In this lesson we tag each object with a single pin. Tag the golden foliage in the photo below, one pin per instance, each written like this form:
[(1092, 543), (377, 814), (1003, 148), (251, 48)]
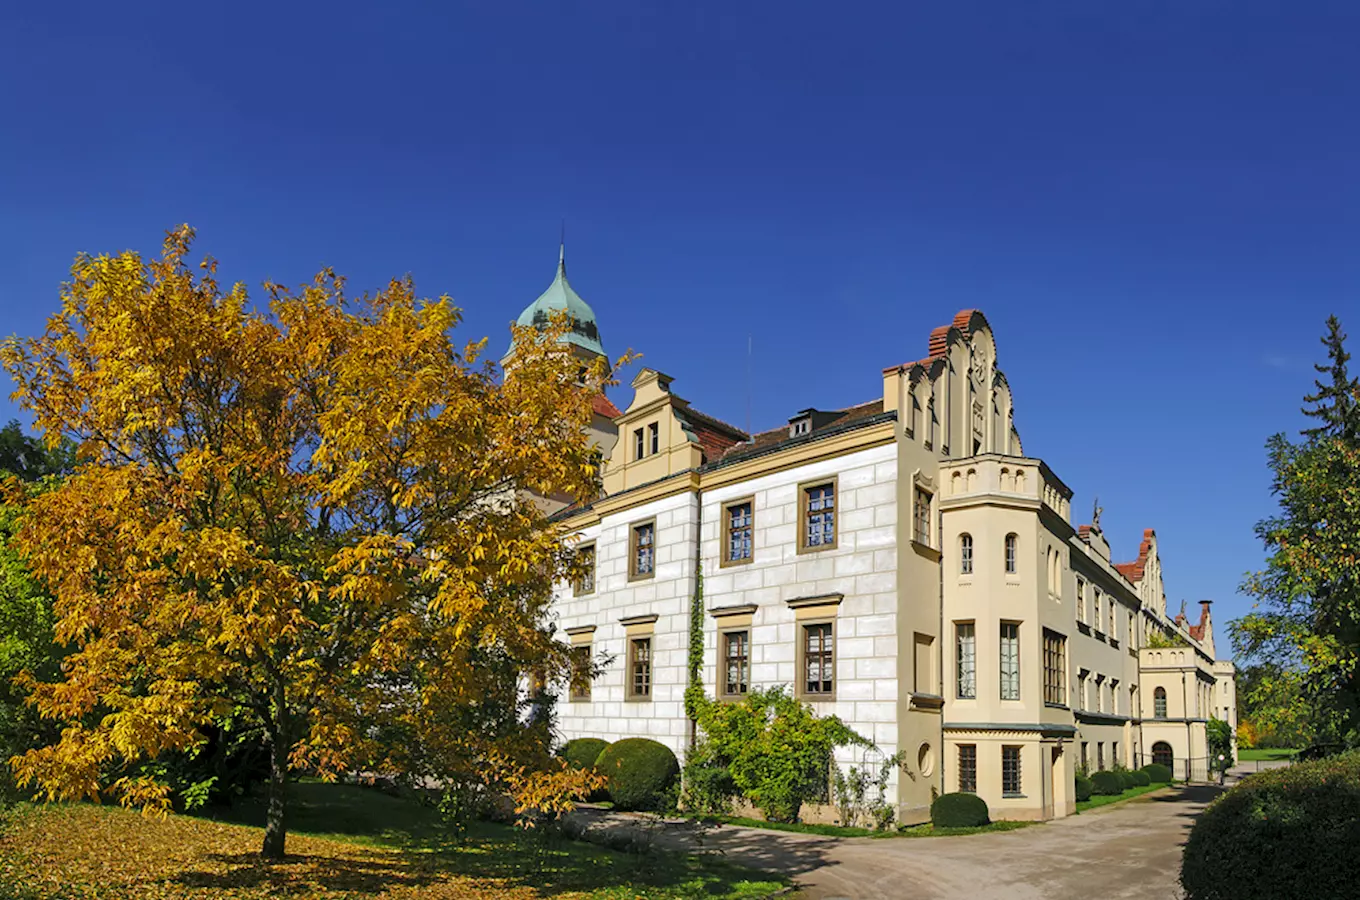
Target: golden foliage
[(317, 516)]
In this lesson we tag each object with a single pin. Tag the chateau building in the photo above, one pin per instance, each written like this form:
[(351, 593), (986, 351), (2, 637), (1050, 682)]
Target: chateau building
[(900, 563)]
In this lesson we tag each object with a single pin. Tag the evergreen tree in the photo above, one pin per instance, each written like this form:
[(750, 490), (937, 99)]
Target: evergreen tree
[(1336, 403)]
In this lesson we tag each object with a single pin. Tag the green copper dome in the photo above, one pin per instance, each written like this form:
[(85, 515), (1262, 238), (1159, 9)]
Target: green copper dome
[(559, 296)]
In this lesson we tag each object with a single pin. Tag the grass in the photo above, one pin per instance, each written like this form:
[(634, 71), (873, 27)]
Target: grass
[(924, 830), (1264, 753), (1098, 800), (345, 843)]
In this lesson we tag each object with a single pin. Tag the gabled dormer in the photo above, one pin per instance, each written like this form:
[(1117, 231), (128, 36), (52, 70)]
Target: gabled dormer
[(809, 420), (661, 435)]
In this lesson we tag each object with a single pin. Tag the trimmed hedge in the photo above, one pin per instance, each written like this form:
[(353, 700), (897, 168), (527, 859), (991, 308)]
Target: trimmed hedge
[(959, 810), (1084, 787), (1157, 773), (1141, 779), (1126, 778), (1279, 835), (639, 772), (581, 753), (1107, 783)]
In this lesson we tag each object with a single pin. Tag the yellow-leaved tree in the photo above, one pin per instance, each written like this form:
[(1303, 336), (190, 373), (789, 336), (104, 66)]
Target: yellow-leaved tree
[(318, 514)]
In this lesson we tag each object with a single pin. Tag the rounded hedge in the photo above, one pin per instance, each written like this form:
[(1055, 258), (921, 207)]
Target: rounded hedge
[(581, 753), (959, 810), (1084, 787), (1141, 779), (1157, 773), (1279, 835), (1126, 778), (639, 772), (1107, 783)]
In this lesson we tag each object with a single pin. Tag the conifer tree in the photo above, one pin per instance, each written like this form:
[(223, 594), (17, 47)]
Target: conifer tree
[(1336, 403)]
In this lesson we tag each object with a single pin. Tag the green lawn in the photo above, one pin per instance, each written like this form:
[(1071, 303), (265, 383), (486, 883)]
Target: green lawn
[(924, 830), (1265, 753), (1106, 799)]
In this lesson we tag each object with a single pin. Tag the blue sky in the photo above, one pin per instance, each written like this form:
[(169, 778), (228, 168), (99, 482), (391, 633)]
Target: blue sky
[(1155, 204)]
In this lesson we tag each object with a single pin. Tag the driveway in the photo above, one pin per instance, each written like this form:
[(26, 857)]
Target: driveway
[(1126, 850)]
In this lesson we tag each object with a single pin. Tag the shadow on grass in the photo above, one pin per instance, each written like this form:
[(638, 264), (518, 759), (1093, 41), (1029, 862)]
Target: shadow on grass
[(546, 861)]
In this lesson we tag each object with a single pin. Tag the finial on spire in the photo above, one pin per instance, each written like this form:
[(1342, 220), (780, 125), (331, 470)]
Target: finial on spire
[(562, 248)]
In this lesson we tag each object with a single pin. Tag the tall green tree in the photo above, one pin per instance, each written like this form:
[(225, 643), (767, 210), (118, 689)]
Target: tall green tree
[(1307, 614)]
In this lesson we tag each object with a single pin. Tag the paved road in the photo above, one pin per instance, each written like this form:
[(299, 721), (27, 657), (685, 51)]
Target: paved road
[(1128, 850)]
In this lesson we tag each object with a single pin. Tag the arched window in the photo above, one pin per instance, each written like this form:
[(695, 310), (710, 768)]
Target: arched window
[(1010, 554), (965, 554), (1159, 708), (1161, 752)]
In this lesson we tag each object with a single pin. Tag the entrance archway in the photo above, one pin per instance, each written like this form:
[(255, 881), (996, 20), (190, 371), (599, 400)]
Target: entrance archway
[(1162, 755)]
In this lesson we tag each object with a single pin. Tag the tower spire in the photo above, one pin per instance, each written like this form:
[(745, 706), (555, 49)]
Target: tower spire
[(562, 249)]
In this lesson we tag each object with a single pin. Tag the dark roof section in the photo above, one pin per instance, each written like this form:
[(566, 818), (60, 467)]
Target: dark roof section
[(779, 436)]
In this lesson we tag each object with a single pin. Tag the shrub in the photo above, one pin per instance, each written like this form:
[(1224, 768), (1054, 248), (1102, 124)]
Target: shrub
[(1084, 788), (1140, 778), (777, 750), (1157, 773), (707, 785), (581, 753), (1280, 834), (640, 771), (959, 811), (1126, 778), (1107, 783)]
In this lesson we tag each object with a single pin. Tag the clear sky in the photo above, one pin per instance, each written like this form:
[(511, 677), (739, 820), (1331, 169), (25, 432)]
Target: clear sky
[(1155, 204)]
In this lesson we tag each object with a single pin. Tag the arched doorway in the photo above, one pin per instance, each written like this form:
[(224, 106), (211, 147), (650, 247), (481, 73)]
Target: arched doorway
[(1162, 755)]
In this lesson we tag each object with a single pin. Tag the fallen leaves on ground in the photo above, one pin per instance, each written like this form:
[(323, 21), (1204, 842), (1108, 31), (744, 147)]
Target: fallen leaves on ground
[(84, 852)]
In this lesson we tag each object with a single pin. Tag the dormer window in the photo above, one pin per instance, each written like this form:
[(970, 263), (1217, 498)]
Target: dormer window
[(800, 426), (639, 447), (654, 437)]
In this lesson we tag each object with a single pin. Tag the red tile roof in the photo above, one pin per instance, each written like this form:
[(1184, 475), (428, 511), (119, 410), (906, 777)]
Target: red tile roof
[(715, 436), (939, 339), (1133, 571), (602, 405)]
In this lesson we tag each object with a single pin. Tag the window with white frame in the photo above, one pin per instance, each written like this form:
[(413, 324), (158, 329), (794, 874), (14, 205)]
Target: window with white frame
[(1011, 561), (1010, 770), (1010, 661), (965, 641), (1081, 599), (965, 554)]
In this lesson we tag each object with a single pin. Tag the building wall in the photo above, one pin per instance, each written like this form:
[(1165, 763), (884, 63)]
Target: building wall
[(609, 714), (861, 568)]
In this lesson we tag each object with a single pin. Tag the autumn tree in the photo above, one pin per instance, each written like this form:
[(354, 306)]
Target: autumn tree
[(318, 513), (1306, 622)]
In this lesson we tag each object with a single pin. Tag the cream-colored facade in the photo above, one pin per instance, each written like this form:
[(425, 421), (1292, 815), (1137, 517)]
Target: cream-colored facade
[(901, 564)]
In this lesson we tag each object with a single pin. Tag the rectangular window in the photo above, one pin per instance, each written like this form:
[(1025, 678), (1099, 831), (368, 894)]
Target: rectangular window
[(966, 653), (639, 448), (968, 768), (1132, 635), (1100, 756), (819, 516), (736, 663), (1114, 753), (1010, 554), (921, 531), (1081, 692), (1055, 668), (1085, 756), (580, 673), (1010, 661), (738, 531), (1095, 619), (1113, 621), (1114, 696), (1081, 600), (640, 668), (586, 583), (642, 554), (966, 554), (1010, 770), (654, 437), (818, 660)]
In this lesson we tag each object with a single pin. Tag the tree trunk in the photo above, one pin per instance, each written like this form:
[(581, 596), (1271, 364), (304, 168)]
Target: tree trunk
[(276, 829)]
